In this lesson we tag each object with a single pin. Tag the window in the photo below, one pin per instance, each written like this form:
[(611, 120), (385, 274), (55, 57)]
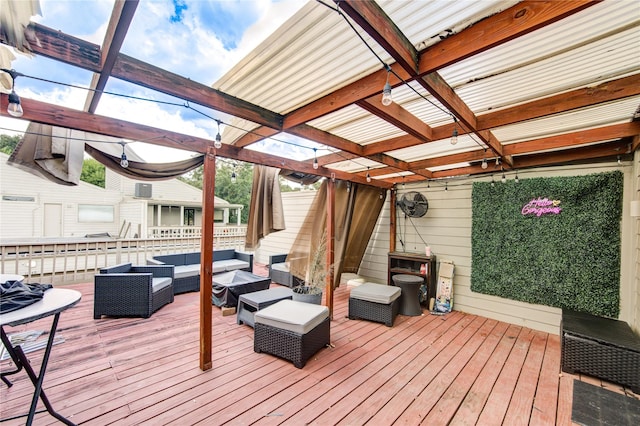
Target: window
[(95, 213), (189, 217)]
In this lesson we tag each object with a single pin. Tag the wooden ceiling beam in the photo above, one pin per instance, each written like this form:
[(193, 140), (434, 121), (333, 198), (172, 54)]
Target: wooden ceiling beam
[(579, 98), (518, 20), (73, 51), (42, 112), (564, 156), (399, 117), (575, 99), (573, 139), (375, 22), (121, 17)]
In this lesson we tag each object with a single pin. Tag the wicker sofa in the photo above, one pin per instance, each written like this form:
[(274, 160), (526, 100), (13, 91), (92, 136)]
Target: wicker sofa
[(126, 290), (187, 266)]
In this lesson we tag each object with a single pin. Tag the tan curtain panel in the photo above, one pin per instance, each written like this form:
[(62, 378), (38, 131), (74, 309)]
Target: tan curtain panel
[(266, 214), (356, 214), (57, 153)]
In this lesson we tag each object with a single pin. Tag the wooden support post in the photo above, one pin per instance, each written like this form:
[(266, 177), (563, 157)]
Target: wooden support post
[(331, 238), (392, 220), (206, 259)]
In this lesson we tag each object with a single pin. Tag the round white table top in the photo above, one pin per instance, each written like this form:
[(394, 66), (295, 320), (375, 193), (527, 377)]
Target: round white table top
[(10, 277), (55, 300)]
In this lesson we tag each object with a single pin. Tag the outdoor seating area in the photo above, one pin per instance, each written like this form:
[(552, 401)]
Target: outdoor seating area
[(457, 367)]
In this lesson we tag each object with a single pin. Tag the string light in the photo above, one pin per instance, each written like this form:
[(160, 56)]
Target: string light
[(348, 187), (233, 174), (484, 161), (516, 178), (124, 163), (504, 178), (368, 175), (454, 136), (315, 159), (14, 108), (497, 161), (387, 98), (446, 186), (218, 143)]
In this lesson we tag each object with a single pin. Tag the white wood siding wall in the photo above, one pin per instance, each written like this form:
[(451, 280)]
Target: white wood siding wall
[(19, 219), (295, 205), (447, 229)]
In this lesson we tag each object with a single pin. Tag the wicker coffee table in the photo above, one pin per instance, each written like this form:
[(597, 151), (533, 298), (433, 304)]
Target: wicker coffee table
[(601, 347), (250, 303)]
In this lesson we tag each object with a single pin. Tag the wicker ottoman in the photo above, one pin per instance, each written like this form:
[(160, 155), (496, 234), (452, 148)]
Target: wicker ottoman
[(291, 330), (601, 347), (375, 302)]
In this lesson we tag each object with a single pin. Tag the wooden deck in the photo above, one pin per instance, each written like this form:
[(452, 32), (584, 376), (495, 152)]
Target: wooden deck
[(455, 369)]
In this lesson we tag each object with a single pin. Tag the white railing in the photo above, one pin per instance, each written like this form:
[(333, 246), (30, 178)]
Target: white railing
[(194, 231), (68, 261)]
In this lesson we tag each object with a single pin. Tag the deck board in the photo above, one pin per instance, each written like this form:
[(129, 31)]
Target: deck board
[(456, 369)]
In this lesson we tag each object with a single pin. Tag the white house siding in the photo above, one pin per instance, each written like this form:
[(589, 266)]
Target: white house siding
[(447, 229), (295, 205), (25, 219), (133, 218)]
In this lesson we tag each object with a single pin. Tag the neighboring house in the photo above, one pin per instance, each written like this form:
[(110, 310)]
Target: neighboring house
[(33, 207)]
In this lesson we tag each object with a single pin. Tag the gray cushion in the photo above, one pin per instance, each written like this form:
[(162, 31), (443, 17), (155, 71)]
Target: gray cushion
[(230, 264), (160, 283), (185, 271), (282, 267), (291, 315), (377, 293)]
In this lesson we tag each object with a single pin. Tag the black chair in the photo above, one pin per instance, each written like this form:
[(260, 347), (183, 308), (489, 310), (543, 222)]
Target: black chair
[(132, 291)]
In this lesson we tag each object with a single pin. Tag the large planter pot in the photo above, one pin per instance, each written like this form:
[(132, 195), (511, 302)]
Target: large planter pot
[(307, 294)]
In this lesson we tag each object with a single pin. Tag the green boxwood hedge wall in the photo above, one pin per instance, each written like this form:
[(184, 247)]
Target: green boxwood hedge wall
[(570, 259)]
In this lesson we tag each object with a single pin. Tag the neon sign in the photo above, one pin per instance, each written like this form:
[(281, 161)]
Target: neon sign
[(541, 206)]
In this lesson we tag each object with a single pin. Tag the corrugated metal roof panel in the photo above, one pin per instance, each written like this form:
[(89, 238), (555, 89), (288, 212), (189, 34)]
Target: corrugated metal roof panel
[(597, 116)]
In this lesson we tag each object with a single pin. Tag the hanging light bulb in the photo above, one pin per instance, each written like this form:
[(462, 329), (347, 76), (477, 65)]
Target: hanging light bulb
[(124, 163), (497, 161), (348, 187), (504, 178), (428, 184), (368, 175), (454, 136), (14, 108), (387, 98), (233, 174), (381, 195), (315, 159), (493, 182), (619, 159), (484, 164), (218, 143), (516, 180), (446, 186)]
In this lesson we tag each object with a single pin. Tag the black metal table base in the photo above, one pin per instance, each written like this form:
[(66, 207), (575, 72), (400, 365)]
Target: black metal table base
[(21, 362)]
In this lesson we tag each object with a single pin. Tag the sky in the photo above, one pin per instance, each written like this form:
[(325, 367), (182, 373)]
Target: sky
[(197, 39)]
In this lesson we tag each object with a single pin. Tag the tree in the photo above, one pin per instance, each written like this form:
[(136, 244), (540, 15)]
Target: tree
[(8, 143), (93, 172), (238, 192)]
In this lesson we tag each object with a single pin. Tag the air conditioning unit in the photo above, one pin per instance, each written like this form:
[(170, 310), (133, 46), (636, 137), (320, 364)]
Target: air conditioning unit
[(143, 190)]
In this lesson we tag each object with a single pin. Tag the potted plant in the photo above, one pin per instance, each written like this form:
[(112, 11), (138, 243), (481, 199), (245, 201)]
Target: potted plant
[(310, 290)]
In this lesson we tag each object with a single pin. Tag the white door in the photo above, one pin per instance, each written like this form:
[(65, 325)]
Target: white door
[(53, 220)]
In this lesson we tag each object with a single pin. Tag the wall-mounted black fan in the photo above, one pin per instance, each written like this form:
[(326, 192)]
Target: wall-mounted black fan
[(414, 204)]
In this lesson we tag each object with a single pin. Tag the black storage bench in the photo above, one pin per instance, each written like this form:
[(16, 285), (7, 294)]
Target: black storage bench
[(601, 347)]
